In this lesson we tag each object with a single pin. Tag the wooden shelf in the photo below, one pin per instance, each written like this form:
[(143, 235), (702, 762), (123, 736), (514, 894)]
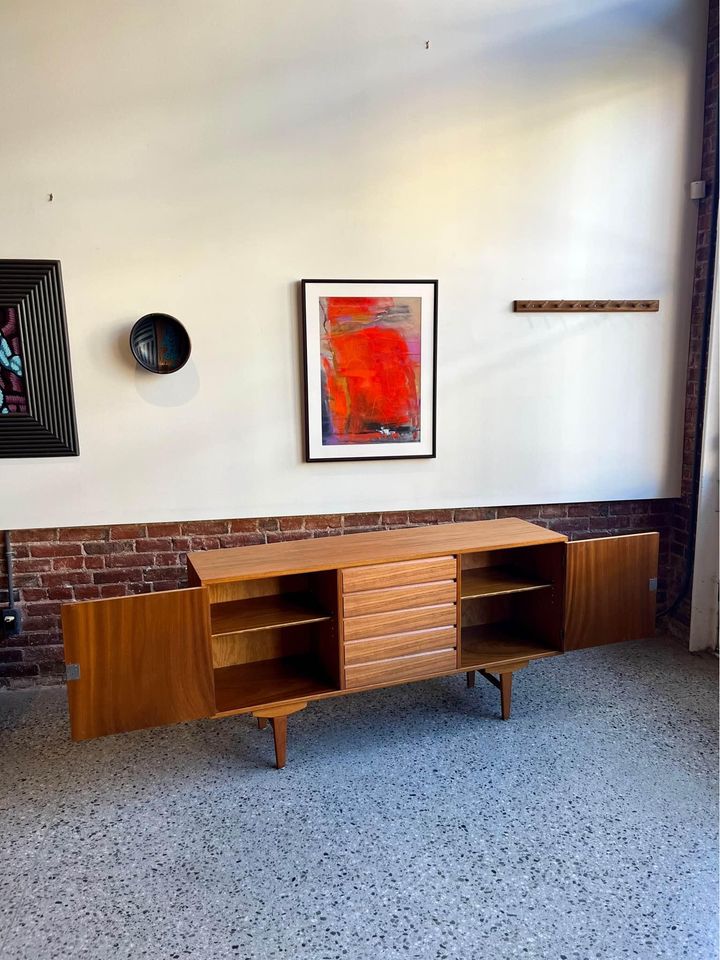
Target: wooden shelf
[(495, 644), (494, 581), (249, 685), (261, 613)]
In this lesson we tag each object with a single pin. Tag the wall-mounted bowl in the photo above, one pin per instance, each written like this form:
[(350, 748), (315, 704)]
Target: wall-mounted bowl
[(160, 343)]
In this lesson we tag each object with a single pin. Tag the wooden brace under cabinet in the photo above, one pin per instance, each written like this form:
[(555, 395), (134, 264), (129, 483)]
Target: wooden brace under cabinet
[(264, 630)]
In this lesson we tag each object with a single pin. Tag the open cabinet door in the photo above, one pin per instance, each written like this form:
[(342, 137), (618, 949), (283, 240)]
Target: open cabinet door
[(136, 662), (610, 592)]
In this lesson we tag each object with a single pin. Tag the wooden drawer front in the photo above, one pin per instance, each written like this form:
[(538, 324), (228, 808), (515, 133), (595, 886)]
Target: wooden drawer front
[(399, 598), (400, 668), (399, 621), (400, 645), (398, 574)]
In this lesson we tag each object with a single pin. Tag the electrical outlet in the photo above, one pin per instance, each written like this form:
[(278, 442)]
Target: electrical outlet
[(10, 618)]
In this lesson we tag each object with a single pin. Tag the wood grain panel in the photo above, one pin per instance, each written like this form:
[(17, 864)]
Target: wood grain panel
[(399, 621), (244, 589), (399, 598), (144, 661), (358, 549), (500, 644), (259, 613), (262, 645), (400, 644), (409, 572), (400, 668), (608, 594)]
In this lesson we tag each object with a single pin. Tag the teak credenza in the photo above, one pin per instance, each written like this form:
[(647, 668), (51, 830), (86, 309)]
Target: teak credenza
[(266, 629)]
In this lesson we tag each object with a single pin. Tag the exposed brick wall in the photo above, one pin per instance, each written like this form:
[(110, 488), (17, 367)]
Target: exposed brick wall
[(681, 541), (54, 566)]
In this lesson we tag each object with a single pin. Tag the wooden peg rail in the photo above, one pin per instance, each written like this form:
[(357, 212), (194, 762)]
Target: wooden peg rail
[(586, 306)]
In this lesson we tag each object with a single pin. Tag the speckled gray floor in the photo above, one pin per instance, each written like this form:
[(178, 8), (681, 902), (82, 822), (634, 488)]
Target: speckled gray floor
[(409, 823)]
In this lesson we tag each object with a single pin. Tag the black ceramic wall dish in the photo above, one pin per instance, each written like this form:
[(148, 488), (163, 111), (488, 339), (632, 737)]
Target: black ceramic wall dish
[(160, 343)]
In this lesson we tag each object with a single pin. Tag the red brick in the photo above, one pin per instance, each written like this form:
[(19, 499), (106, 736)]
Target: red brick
[(129, 531), (428, 516), (94, 563), (352, 520), (126, 560), (41, 535), (204, 543), (323, 521), (55, 550), (68, 563), (463, 514), (172, 559), (281, 536), (103, 549), (115, 576), (291, 523), (87, 592), (110, 590), (44, 654), (160, 585), (241, 539), (156, 545), (523, 513), (395, 518), (32, 594), (202, 527), (69, 577), (164, 529), (82, 534), (164, 573), (554, 510), (32, 565), (244, 526), (588, 510)]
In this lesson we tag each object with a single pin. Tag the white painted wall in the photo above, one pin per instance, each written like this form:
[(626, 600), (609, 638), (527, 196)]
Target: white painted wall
[(206, 156)]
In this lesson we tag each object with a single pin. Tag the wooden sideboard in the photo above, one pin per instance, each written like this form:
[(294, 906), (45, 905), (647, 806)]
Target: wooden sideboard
[(267, 629)]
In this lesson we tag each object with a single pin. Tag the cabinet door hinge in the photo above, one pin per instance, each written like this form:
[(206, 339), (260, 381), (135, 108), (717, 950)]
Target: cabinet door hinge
[(652, 585), (72, 671)]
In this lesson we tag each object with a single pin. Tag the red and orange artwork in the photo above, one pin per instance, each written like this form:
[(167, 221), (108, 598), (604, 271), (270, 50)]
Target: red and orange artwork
[(370, 369)]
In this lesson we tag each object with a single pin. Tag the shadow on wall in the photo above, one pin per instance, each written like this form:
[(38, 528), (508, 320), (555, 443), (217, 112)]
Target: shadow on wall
[(160, 390)]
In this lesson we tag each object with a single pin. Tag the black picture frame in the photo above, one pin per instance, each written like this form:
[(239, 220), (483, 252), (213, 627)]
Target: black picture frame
[(433, 284), (49, 429)]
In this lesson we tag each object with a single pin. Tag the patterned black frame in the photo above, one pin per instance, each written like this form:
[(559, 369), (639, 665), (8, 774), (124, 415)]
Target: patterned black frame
[(34, 289)]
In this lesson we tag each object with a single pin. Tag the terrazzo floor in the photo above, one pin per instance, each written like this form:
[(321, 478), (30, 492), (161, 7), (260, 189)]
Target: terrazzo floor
[(409, 822)]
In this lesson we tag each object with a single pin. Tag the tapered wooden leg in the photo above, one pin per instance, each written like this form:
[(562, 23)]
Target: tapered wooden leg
[(277, 715), (471, 678), (506, 694), (504, 684), (262, 723), (279, 725)]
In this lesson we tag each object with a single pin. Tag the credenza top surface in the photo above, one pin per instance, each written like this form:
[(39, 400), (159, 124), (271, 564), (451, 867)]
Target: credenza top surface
[(358, 549)]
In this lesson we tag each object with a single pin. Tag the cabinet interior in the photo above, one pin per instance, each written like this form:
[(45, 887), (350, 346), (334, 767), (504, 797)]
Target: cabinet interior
[(274, 639), (511, 604)]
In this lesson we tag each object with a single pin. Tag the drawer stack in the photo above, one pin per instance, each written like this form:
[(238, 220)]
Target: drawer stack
[(399, 620)]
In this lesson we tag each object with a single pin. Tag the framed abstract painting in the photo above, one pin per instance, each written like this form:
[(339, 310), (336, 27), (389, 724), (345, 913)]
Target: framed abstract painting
[(370, 368), (37, 410)]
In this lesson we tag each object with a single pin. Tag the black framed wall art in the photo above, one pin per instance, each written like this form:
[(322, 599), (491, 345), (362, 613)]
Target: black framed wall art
[(37, 410), (370, 368)]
